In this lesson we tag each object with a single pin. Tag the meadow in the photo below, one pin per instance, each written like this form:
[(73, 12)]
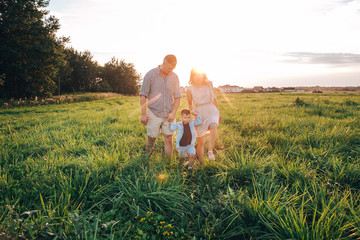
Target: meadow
[(287, 167)]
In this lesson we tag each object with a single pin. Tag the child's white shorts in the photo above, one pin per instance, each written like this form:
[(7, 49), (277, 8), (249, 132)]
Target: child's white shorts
[(184, 151)]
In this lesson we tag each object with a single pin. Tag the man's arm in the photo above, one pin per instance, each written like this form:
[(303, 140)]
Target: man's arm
[(144, 119), (172, 115)]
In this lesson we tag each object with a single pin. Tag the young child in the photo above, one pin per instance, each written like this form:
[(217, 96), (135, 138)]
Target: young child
[(185, 139)]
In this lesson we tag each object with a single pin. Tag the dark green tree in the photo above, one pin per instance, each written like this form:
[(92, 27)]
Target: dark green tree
[(82, 73), (121, 76), (30, 52)]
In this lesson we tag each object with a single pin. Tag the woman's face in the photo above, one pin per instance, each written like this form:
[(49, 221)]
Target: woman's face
[(197, 78)]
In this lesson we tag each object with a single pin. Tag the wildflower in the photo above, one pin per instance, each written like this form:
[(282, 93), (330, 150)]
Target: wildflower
[(161, 177), (217, 219), (142, 219)]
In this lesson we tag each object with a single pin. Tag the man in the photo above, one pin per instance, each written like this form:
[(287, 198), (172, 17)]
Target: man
[(160, 92)]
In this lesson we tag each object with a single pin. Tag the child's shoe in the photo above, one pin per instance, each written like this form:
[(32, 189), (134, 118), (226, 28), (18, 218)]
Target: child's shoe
[(211, 155)]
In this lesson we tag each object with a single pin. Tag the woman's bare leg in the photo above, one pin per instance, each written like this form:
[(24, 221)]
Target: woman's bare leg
[(200, 149), (213, 136)]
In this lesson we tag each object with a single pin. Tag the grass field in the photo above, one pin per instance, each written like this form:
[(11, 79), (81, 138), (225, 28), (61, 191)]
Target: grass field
[(287, 167)]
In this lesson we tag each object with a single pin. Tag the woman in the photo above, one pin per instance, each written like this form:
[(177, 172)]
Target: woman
[(200, 94)]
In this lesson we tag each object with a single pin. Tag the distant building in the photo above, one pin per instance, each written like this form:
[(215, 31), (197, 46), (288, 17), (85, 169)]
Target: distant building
[(288, 89), (272, 89), (230, 89), (258, 89)]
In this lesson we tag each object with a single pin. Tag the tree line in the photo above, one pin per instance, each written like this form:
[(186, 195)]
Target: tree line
[(35, 62)]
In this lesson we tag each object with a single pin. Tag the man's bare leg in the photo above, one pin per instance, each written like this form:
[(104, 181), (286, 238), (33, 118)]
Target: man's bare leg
[(168, 144), (150, 145)]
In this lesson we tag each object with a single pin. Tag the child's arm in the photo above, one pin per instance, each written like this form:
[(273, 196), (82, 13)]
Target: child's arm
[(173, 126), (198, 120)]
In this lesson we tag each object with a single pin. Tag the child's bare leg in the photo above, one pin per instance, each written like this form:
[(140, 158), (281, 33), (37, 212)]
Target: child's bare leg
[(192, 160), (181, 160)]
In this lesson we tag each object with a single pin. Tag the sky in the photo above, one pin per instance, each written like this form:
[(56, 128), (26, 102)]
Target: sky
[(269, 43)]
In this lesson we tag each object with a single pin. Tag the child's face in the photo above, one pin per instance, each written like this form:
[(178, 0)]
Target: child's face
[(186, 118)]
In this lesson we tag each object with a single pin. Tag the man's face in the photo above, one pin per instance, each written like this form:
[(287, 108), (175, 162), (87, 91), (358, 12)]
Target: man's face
[(167, 68), (186, 118)]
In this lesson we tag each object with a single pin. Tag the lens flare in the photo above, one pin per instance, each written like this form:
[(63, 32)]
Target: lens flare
[(161, 177)]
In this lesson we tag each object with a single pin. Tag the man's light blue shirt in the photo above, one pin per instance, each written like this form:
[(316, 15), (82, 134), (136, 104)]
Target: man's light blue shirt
[(160, 92)]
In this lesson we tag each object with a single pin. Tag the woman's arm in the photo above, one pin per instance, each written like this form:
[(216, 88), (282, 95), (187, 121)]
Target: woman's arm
[(215, 103), (189, 98)]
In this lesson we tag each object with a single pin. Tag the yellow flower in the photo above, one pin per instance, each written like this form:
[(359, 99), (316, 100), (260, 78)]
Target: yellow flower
[(161, 177)]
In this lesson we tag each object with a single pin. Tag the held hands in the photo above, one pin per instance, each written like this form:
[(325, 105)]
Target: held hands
[(194, 112), (171, 117)]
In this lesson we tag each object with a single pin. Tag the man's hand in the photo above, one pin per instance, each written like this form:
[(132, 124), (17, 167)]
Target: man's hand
[(171, 117), (144, 119)]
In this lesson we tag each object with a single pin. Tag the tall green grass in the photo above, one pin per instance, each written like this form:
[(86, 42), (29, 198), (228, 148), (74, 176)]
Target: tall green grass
[(287, 167)]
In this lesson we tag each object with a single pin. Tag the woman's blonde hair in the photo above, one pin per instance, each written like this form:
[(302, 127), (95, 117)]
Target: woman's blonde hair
[(204, 79)]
